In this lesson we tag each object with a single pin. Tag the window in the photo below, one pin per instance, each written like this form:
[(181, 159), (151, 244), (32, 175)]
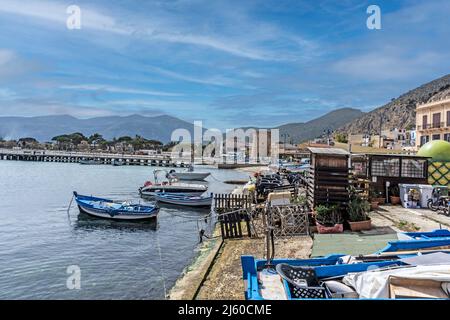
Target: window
[(424, 122), (448, 118), (424, 139), (386, 167), (436, 120), (436, 137), (447, 137), (413, 168)]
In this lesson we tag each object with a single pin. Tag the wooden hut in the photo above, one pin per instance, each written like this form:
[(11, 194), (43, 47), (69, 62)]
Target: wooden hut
[(328, 180)]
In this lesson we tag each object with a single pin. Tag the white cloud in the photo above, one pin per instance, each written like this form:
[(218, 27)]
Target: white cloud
[(215, 80), (55, 12), (6, 56), (114, 89), (168, 28)]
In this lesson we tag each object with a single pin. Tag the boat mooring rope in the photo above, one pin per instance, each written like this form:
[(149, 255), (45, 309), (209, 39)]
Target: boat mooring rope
[(68, 210), (161, 266)]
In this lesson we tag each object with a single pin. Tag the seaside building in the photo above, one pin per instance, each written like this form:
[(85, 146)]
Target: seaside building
[(392, 139), (433, 121)]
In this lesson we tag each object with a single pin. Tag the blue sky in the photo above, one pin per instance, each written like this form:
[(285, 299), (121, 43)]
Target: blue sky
[(228, 63)]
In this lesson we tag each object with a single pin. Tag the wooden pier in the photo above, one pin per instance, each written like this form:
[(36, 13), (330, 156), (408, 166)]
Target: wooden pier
[(159, 160)]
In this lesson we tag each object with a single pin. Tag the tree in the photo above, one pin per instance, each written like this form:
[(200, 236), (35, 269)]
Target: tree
[(96, 138), (341, 137)]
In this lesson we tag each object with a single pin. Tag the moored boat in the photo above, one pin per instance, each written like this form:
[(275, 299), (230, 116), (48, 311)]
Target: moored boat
[(150, 189), (89, 162), (117, 163), (184, 200), (109, 209), (189, 176)]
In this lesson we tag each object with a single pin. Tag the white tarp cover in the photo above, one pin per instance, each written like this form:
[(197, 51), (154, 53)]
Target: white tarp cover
[(375, 284)]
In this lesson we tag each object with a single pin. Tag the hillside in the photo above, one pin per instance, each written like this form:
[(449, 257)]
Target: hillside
[(400, 113), (45, 127), (300, 132)]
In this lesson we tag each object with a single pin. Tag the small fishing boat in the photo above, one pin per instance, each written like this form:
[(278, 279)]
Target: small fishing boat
[(339, 276), (184, 200), (109, 209), (117, 163), (89, 162), (150, 189), (188, 175)]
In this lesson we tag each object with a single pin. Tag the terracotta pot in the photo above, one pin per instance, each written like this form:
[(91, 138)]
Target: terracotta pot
[(312, 229), (373, 205), (380, 200), (360, 225), (337, 228), (395, 200)]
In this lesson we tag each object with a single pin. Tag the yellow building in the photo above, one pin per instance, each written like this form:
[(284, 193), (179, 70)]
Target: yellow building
[(433, 121)]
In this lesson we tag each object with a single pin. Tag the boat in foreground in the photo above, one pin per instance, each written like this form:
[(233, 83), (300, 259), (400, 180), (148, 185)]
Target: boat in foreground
[(184, 200), (106, 208), (404, 269)]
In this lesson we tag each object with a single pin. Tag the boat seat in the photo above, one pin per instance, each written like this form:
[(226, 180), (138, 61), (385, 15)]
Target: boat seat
[(303, 282)]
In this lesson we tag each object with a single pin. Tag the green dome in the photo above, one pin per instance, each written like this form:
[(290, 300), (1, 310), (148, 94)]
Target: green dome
[(439, 150)]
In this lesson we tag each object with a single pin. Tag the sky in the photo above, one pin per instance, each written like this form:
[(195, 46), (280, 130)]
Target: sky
[(227, 63)]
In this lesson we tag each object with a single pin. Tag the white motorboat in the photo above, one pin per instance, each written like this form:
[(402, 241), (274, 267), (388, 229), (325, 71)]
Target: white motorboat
[(188, 175), (150, 189)]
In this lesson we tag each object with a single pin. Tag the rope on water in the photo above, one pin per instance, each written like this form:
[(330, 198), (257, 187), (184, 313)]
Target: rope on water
[(68, 210), (161, 266)]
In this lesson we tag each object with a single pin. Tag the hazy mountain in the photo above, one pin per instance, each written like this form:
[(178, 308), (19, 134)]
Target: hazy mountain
[(46, 127), (159, 128), (303, 131), (400, 112)]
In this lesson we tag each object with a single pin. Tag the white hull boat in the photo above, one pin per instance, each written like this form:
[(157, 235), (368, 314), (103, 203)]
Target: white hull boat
[(150, 190), (184, 200), (190, 176)]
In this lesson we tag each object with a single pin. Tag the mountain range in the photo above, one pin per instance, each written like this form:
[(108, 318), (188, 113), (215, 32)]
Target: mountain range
[(44, 128), (398, 113)]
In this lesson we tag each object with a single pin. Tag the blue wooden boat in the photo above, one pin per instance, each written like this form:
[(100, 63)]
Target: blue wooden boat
[(108, 209), (435, 234), (184, 200), (265, 280)]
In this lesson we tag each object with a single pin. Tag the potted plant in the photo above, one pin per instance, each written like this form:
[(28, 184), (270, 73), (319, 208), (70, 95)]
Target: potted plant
[(328, 219), (395, 195), (373, 200), (357, 211)]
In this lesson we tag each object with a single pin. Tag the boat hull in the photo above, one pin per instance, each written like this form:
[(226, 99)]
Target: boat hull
[(191, 176), (108, 209), (121, 217), (184, 201), (185, 189)]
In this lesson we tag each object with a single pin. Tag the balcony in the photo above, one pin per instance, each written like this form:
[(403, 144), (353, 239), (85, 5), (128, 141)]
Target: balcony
[(436, 125)]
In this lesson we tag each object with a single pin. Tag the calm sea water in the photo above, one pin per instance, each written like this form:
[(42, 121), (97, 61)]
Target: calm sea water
[(118, 260)]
